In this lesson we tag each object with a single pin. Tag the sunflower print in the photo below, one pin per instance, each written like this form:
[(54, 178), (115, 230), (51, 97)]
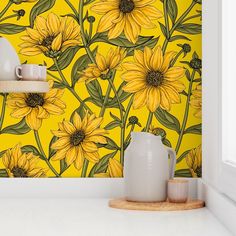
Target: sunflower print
[(196, 101), (22, 165), (194, 161), (77, 140), (50, 36), (114, 67), (103, 65), (152, 80), (127, 16), (115, 169), (36, 107)]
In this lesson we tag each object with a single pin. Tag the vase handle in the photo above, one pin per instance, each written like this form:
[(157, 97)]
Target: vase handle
[(172, 154)]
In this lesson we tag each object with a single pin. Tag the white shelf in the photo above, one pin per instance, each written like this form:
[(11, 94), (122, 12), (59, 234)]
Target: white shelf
[(24, 87)]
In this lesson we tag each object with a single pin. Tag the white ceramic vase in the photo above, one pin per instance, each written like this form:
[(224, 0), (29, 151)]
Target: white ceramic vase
[(147, 168), (8, 61)]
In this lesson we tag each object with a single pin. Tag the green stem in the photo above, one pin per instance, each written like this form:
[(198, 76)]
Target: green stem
[(36, 135), (90, 30), (185, 119), (53, 76), (5, 9), (72, 8), (64, 81), (129, 135), (179, 21), (166, 19), (102, 111), (3, 110), (60, 72), (122, 123), (79, 99), (128, 109), (85, 168), (176, 57), (149, 121), (8, 17), (81, 7)]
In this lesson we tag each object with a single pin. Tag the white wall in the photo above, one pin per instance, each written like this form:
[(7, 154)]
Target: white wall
[(211, 90)]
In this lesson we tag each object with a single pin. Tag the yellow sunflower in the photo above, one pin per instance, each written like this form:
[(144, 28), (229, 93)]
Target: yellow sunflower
[(35, 107), (103, 65), (115, 170), (196, 101), (127, 16), (50, 36), (78, 139), (22, 165), (194, 161), (152, 80)]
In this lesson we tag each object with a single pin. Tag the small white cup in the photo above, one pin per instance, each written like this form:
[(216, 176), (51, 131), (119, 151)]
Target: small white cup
[(31, 72), (178, 190)]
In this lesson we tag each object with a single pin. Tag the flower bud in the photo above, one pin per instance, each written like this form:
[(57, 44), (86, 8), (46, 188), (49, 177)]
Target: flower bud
[(196, 63)]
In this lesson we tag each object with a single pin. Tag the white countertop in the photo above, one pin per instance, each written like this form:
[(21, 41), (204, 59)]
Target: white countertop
[(92, 217)]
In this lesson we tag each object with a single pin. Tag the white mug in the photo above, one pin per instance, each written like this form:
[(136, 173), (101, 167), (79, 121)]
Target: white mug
[(31, 72)]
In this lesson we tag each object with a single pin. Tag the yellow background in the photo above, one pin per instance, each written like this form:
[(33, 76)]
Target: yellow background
[(189, 141)]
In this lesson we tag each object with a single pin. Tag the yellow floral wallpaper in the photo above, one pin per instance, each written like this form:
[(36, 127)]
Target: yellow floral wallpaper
[(114, 66)]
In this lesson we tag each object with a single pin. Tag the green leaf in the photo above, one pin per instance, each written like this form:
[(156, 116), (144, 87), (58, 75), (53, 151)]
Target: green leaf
[(122, 41), (3, 173), (168, 120), (111, 145), (63, 166), (195, 129), (58, 85), (80, 110), (163, 29), (172, 10), (115, 117), (65, 58), (189, 28), (95, 91), (183, 173), (179, 37), (122, 96), (17, 129), (101, 166), (40, 7), (182, 156), (166, 142), (112, 125), (2, 153), (33, 149), (80, 65), (51, 151), (8, 28)]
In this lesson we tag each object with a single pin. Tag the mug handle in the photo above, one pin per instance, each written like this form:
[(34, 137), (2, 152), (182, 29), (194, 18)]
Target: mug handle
[(19, 72), (172, 154)]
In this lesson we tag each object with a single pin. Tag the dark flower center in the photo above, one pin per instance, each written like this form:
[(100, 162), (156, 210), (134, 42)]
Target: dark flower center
[(77, 138), (133, 120), (154, 78), (126, 6), (19, 172), (196, 63), (34, 100), (47, 42)]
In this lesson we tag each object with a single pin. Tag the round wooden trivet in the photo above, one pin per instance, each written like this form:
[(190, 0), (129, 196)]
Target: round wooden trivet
[(156, 206)]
